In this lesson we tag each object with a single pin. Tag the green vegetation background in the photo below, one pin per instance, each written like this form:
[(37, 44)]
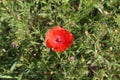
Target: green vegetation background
[(95, 25)]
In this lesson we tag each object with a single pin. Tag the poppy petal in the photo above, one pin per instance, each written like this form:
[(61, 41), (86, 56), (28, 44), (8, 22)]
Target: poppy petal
[(58, 38)]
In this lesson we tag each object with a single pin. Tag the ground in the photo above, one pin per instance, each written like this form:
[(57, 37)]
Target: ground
[(93, 55)]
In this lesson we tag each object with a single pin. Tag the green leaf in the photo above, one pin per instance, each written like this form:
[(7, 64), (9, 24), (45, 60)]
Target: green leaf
[(7, 77), (13, 66), (65, 1), (20, 76)]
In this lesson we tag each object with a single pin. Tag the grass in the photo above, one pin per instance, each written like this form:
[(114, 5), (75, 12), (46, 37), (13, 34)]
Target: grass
[(95, 25)]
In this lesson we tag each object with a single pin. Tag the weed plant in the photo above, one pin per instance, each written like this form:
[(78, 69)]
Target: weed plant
[(94, 54)]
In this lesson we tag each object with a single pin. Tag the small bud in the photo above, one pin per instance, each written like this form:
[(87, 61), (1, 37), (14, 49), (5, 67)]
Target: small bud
[(102, 45), (13, 44), (73, 23), (18, 17), (51, 72), (31, 49), (116, 31), (102, 0), (3, 50), (34, 54), (82, 60), (105, 12), (72, 58), (104, 23), (86, 33), (8, 9), (0, 1), (110, 49)]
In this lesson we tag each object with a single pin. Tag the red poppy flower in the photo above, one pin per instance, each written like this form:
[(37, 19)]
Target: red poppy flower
[(58, 38)]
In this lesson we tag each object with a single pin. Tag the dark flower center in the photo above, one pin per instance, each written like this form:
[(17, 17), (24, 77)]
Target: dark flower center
[(58, 39)]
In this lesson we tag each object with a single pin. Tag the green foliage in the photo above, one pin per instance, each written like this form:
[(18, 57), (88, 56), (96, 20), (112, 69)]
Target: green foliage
[(94, 23)]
